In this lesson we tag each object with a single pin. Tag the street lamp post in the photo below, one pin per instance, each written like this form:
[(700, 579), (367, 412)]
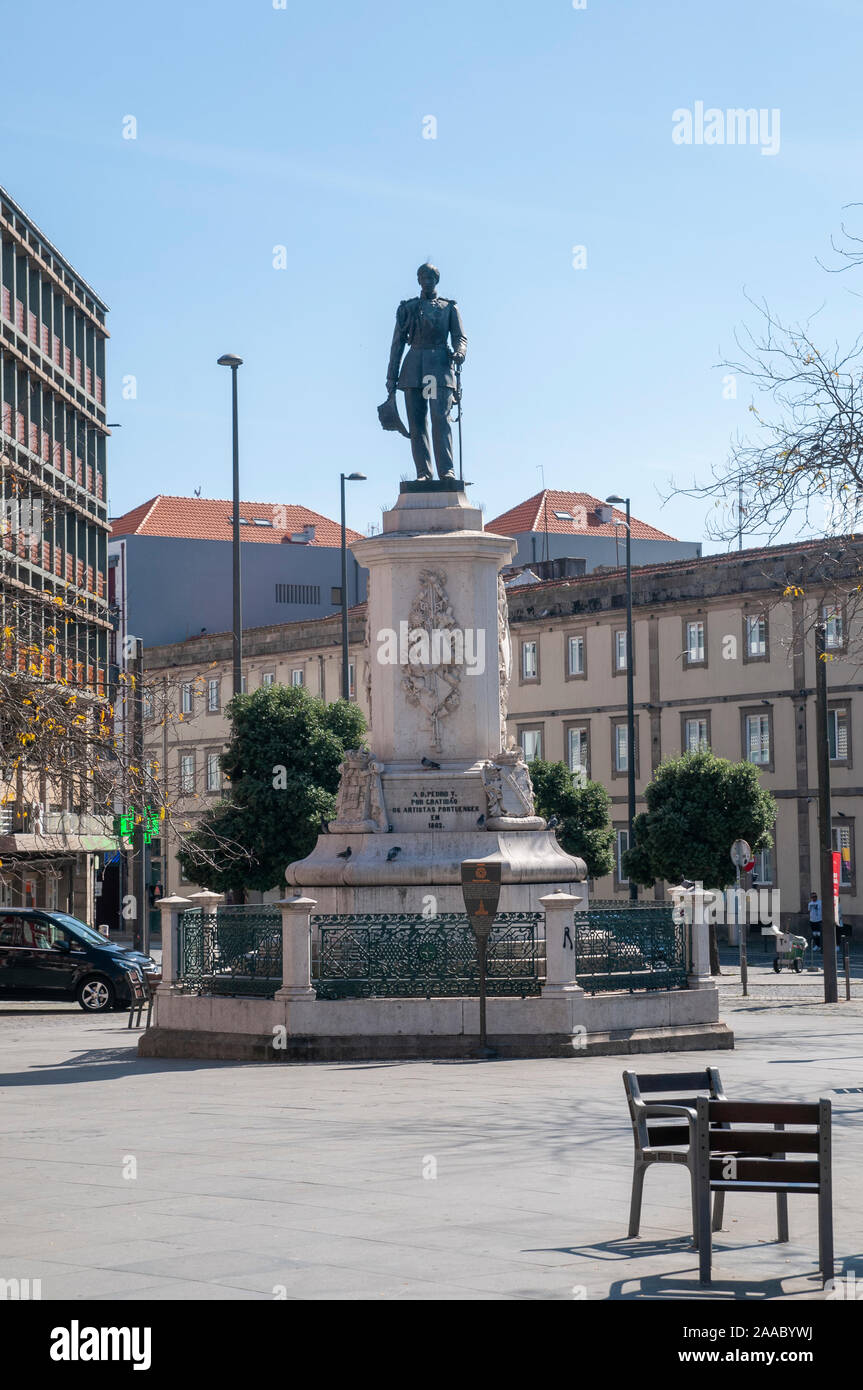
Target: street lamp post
[(351, 478), (230, 359), (630, 692)]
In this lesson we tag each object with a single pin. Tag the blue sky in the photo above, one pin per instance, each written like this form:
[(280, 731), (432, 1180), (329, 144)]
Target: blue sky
[(303, 127)]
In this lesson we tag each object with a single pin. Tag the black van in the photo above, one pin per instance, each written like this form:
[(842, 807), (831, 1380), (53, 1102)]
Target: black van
[(50, 955)]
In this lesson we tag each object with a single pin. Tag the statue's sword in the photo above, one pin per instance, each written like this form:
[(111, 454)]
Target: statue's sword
[(458, 417)]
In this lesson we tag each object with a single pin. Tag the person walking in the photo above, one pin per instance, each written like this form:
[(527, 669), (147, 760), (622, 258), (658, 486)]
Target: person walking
[(815, 920)]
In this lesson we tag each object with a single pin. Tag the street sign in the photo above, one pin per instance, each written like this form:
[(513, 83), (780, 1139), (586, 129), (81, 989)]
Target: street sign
[(741, 854), (480, 886)]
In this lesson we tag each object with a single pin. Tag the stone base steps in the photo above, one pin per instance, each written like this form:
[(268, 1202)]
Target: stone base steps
[(256, 1047)]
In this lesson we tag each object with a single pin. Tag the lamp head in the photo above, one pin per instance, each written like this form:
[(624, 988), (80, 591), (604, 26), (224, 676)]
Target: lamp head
[(230, 359)]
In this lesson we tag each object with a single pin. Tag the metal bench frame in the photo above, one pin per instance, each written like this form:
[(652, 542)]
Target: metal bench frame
[(755, 1167), (668, 1143)]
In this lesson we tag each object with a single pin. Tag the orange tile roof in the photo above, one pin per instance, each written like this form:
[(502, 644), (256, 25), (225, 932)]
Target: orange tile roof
[(537, 513), (209, 519)]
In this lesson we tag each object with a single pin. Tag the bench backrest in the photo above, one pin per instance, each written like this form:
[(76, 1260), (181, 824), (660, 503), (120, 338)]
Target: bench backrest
[(732, 1152), (644, 1089)]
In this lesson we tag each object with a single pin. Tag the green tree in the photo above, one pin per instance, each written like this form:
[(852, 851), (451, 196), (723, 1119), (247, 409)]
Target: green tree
[(584, 811), (697, 806), (282, 761)]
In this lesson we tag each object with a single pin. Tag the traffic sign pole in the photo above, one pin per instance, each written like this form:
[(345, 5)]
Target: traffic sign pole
[(741, 855)]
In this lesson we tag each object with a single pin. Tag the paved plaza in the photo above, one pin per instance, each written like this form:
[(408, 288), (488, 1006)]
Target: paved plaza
[(421, 1180)]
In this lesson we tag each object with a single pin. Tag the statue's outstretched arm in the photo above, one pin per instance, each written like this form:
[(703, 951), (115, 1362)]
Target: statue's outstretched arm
[(398, 346), (456, 332)]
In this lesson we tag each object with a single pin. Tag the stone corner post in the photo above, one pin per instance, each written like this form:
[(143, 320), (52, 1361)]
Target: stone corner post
[(560, 977), (696, 925), (296, 948), (207, 901), (170, 908)]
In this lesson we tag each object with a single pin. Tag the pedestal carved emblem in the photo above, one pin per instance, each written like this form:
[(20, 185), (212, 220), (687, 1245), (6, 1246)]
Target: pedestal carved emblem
[(360, 802), (433, 680), (509, 792)]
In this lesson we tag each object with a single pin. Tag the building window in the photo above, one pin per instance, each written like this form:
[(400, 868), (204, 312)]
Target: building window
[(839, 734), (352, 687), (214, 695), (530, 661), (214, 773), (843, 843), (620, 649), (755, 637), (696, 733), (147, 701), (298, 676), (187, 772), (531, 742), (834, 627), (758, 741), (268, 678), (694, 646), (577, 749), (620, 740), (763, 873), (244, 685), (298, 593), (575, 663), (186, 698), (621, 845)]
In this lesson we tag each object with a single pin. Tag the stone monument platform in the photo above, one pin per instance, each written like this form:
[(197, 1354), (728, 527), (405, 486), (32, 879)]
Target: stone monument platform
[(441, 785)]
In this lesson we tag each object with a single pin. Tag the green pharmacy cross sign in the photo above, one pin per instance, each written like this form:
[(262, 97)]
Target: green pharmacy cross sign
[(125, 822)]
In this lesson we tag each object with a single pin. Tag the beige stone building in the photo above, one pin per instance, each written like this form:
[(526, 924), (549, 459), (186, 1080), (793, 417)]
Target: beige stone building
[(189, 684), (724, 658)]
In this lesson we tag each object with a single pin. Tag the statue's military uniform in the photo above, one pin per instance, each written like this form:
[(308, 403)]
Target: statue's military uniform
[(427, 326)]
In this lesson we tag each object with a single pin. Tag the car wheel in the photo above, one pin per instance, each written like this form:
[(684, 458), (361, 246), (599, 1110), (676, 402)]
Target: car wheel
[(95, 995), (777, 966)]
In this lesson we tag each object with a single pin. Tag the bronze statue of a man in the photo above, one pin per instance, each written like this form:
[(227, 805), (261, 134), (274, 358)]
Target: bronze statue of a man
[(427, 324)]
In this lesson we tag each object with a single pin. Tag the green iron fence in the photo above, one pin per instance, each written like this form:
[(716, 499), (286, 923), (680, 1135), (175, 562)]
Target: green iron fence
[(362, 956), (632, 948), (235, 950)]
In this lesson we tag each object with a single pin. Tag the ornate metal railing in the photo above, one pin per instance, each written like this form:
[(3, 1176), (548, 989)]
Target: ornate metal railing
[(232, 951), (413, 957), (621, 948)]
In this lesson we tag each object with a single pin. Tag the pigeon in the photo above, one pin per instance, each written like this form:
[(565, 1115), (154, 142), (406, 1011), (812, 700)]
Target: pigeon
[(389, 830), (325, 827), (427, 762), (394, 853), (480, 820), (345, 853), (553, 821)]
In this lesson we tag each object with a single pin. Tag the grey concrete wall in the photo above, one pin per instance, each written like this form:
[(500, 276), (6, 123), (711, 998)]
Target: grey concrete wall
[(177, 587), (601, 550)]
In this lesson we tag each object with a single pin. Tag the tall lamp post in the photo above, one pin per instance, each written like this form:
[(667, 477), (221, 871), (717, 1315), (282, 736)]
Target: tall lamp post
[(630, 695), (230, 359), (346, 684)]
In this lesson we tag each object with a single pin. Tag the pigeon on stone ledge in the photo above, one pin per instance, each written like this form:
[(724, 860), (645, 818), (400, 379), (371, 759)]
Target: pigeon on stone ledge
[(345, 853), (480, 820), (427, 762), (394, 853), (553, 821)]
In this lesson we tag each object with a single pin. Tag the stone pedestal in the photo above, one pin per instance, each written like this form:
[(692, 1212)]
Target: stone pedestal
[(438, 786)]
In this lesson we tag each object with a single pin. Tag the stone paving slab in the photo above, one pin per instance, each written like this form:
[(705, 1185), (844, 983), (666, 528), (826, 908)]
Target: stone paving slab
[(397, 1181)]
